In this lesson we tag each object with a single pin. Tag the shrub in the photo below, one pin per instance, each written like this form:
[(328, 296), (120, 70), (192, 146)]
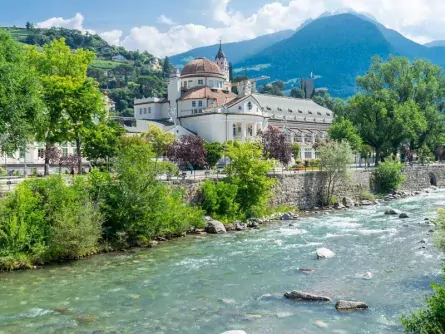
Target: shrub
[(219, 200), (432, 318), (388, 176), (367, 196)]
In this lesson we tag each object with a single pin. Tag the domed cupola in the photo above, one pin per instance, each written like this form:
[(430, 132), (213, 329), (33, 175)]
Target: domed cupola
[(201, 66)]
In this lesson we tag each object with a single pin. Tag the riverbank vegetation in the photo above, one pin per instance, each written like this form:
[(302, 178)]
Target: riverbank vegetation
[(431, 319), (54, 218)]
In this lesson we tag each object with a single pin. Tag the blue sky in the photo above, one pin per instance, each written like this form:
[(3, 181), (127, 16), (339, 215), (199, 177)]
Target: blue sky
[(173, 26)]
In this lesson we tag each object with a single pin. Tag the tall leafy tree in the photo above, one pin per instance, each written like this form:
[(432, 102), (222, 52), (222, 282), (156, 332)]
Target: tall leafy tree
[(71, 99), (215, 152), (276, 145), (189, 150), (399, 101), (20, 103), (166, 68)]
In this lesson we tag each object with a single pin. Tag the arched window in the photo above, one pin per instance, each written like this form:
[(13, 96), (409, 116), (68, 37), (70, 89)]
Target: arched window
[(249, 106)]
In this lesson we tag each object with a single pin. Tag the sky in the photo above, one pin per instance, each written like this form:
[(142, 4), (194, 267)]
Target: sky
[(173, 26)]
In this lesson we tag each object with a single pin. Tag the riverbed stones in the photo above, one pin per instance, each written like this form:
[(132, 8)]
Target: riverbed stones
[(366, 203), (345, 305), (230, 227), (240, 227), (324, 253), (287, 216), (392, 212), (215, 227), (348, 202), (304, 296), (403, 215)]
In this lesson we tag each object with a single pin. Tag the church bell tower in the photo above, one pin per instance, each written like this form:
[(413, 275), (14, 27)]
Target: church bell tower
[(222, 62)]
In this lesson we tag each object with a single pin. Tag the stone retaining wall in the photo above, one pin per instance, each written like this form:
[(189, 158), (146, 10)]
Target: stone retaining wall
[(304, 189)]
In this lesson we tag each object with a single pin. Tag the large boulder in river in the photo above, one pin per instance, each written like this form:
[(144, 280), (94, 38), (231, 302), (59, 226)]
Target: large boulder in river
[(324, 253), (366, 202), (403, 216), (392, 212), (300, 295), (347, 202), (344, 305), (215, 227)]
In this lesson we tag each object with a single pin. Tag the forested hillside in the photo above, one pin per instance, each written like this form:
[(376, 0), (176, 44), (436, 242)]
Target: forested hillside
[(139, 75)]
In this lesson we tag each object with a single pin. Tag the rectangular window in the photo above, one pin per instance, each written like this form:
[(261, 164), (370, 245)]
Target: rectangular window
[(200, 82), (41, 153), (193, 104), (250, 130), (149, 110), (145, 110), (65, 151), (140, 111), (234, 130), (308, 153), (199, 103), (240, 108), (211, 83)]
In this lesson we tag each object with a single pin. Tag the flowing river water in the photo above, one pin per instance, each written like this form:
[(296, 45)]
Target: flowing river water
[(217, 283)]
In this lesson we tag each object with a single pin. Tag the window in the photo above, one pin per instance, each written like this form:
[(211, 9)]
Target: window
[(145, 110), (200, 82), (249, 106), (211, 83), (193, 104), (41, 153), (199, 103), (308, 153), (149, 110), (234, 130), (140, 111), (240, 108), (268, 108), (185, 84)]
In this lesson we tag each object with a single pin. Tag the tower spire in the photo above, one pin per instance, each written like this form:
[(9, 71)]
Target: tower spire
[(220, 54)]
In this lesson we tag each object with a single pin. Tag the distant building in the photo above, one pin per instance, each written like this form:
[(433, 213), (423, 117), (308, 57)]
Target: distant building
[(200, 101), (119, 57), (154, 65), (308, 87)]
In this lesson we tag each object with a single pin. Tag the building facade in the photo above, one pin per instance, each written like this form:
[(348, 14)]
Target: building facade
[(200, 101)]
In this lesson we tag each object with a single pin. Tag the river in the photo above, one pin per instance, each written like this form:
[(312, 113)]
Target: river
[(236, 281)]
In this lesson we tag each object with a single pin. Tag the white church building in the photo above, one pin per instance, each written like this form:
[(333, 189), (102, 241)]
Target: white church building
[(200, 102)]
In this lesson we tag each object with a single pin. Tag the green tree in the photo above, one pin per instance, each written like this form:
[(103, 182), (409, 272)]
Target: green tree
[(297, 93), (166, 68), (20, 103), (343, 129), (101, 141), (66, 92), (296, 149), (335, 158), (215, 152), (248, 170), (399, 101)]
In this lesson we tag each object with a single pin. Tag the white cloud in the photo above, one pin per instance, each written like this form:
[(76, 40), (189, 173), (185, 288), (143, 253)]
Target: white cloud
[(420, 20), (75, 22), (166, 20), (113, 37)]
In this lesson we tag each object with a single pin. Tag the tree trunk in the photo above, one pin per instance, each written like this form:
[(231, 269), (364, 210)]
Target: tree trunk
[(46, 168), (79, 154), (377, 157)]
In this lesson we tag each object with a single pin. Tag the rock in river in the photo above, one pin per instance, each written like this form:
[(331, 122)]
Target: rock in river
[(392, 212), (234, 332), (347, 202), (215, 227), (324, 253), (299, 295), (344, 305), (403, 215)]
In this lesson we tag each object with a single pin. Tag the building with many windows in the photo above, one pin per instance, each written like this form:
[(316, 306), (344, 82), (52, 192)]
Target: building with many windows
[(200, 101)]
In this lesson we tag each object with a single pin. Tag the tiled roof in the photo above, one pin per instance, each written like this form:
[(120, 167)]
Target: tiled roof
[(219, 96), (285, 108), (201, 66)]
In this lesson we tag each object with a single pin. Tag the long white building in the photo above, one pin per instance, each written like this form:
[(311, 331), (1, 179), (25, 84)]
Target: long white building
[(200, 101)]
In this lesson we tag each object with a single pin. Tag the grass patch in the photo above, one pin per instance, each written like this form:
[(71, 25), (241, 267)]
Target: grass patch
[(104, 64), (365, 195)]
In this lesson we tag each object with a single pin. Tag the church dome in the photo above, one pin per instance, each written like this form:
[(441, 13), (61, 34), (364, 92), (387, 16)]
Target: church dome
[(201, 66)]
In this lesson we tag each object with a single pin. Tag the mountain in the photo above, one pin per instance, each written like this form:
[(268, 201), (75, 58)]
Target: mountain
[(336, 48), (235, 52), (434, 44)]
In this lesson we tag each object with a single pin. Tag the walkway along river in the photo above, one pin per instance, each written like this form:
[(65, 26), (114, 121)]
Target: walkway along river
[(237, 281)]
